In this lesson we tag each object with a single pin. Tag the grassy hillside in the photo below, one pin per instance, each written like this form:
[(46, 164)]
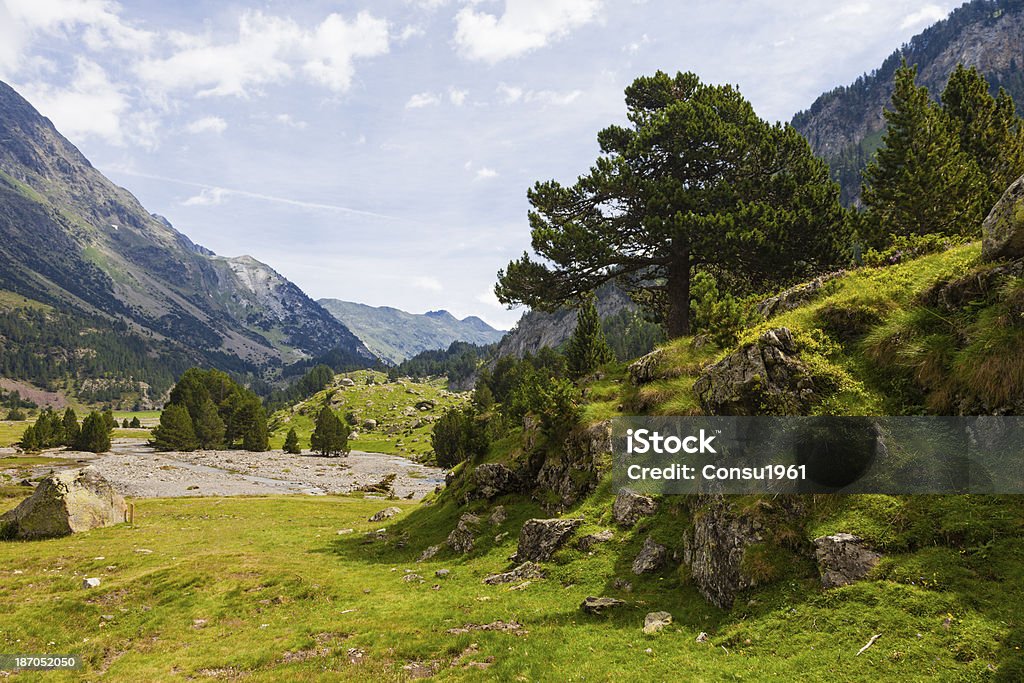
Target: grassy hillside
[(401, 428)]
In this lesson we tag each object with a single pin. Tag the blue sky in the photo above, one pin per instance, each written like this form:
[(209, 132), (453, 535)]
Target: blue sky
[(380, 151)]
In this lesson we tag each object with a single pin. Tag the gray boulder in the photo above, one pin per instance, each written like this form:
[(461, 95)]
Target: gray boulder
[(65, 503), (590, 540), (646, 368), (463, 536), (656, 621), (843, 559), (386, 513), (650, 558), (491, 480), (715, 550), (540, 538), (1002, 232), (594, 605), (369, 424), (630, 507), (527, 570), (764, 377)]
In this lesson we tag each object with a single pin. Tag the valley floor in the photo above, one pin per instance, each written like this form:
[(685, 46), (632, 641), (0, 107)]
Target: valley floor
[(138, 471)]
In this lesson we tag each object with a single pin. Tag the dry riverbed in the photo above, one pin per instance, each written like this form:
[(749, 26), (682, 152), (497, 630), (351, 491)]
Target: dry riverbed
[(138, 471)]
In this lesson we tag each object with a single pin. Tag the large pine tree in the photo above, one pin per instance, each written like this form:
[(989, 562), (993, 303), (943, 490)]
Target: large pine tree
[(70, 427), (209, 427), (697, 181), (94, 435), (291, 443)]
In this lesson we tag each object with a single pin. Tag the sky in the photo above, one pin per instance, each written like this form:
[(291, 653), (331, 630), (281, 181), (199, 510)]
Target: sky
[(380, 151)]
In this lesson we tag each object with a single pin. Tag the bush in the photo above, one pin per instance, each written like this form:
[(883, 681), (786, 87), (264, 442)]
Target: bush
[(901, 248), (15, 415), (458, 436), (721, 316)]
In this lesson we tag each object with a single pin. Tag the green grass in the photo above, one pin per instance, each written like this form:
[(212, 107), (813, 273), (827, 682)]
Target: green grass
[(396, 433), (10, 432), (284, 597)]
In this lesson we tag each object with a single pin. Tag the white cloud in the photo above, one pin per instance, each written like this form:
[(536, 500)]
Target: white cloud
[(484, 173), (488, 298), (525, 25), (290, 121), (431, 284), (511, 94), (423, 99), (409, 32), (209, 196), (207, 124), (268, 50), (924, 16), (90, 106), (456, 96)]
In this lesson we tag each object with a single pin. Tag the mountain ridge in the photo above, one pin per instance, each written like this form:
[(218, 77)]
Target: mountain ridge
[(396, 335)]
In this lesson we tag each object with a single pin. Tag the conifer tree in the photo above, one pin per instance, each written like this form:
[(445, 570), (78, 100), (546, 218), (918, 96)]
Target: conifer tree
[(176, 431), (587, 348), (94, 435), (135, 423), (989, 130), (291, 443), (124, 423), (29, 440), (109, 421), (15, 415), (330, 437), (256, 437), (70, 427), (920, 182), (208, 426)]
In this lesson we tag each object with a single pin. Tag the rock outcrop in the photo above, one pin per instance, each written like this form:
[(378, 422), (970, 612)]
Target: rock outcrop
[(572, 474), (540, 538), (765, 377), (646, 368), (586, 543), (797, 296), (629, 508), (386, 513), (1002, 233), (843, 559), (463, 536), (655, 622), (65, 503), (491, 480), (650, 558)]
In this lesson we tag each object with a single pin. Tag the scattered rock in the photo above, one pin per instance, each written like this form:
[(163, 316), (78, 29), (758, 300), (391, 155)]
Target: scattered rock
[(425, 405), (764, 377), (843, 559), (463, 538), (345, 532), (91, 582), (369, 424), (386, 486), (527, 570), (429, 553), (412, 578), (347, 382), (199, 623), (65, 503), (656, 621), (650, 558), (702, 637), (386, 513), (498, 516), (630, 507), (590, 540), (1002, 232), (623, 585), (442, 573), (540, 538), (795, 297), (417, 670), (593, 605), (513, 627)]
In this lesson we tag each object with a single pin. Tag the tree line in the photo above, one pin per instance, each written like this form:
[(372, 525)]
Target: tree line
[(52, 431)]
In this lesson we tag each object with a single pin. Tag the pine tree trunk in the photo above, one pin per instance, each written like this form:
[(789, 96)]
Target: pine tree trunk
[(678, 290)]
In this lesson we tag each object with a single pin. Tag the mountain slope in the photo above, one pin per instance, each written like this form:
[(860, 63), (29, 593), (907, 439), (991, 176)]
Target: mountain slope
[(395, 335), (73, 240), (845, 126)]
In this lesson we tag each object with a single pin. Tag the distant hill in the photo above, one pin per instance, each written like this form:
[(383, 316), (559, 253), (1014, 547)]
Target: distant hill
[(98, 288), (396, 335), (845, 125)]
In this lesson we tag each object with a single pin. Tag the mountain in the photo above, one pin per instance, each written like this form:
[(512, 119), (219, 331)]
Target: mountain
[(627, 332), (85, 251), (845, 125), (396, 335)]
